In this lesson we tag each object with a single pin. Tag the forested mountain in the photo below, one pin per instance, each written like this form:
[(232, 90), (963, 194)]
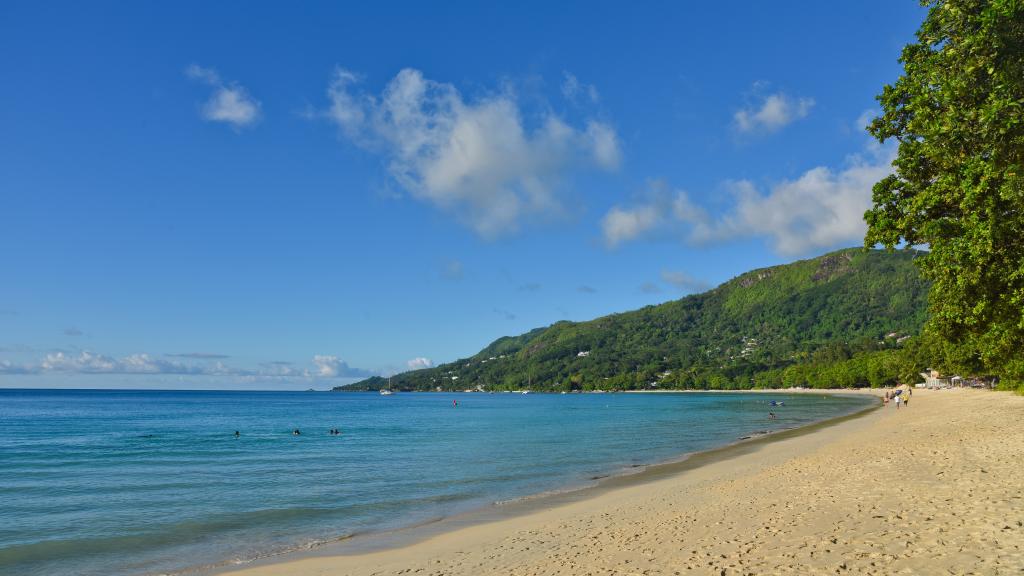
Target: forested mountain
[(832, 320)]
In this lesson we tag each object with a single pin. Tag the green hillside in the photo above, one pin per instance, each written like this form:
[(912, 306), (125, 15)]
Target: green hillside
[(830, 320)]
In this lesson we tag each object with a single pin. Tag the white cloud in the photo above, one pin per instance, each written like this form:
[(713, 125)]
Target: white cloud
[(775, 111), (327, 366), (229, 103), (573, 89), (281, 369), (145, 364), (7, 367), (205, 75), (233, 106), (657, 209), (86, 362), (475, 159), (685, 211), (420, 363), (822, 208), (604, 145), (683, 281), (623, 224), (330, 366), (864, 120)]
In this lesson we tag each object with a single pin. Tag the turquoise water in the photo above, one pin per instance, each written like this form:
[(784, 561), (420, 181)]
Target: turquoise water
[(144, 482)]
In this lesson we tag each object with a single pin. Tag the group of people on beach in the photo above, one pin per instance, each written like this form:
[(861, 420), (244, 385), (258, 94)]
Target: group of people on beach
[(898, 397)]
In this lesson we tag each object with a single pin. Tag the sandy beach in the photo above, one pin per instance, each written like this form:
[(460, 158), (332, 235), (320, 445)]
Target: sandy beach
[(933, 488)]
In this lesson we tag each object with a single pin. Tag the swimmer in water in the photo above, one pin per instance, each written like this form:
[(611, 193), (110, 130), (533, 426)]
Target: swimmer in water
[(296, 432), (237, 434)]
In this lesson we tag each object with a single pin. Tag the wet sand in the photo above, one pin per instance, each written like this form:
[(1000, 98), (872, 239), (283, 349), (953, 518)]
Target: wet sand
[(934, 488)]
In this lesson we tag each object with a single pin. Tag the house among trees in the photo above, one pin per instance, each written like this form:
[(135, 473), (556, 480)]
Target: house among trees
[(933, 379)]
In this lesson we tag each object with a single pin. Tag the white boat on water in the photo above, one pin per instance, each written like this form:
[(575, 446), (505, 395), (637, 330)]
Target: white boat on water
[(384, 392)]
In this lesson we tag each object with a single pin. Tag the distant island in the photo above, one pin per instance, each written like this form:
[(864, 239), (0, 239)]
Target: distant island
[(848, 318)]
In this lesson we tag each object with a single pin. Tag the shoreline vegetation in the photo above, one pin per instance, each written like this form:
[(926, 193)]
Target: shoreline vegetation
[(925, 489), (850, 318)]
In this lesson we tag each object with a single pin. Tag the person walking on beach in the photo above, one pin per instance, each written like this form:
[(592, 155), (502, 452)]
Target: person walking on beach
[(897, 402)]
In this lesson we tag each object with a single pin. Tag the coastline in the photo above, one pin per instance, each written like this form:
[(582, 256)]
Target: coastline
[(267, 494), (413, 535), (856, 494)]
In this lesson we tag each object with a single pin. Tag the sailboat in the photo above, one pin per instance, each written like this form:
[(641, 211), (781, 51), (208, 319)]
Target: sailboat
[(387, 391)]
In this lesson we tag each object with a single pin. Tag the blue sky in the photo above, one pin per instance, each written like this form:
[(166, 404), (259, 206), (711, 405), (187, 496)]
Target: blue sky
[(246, 195)]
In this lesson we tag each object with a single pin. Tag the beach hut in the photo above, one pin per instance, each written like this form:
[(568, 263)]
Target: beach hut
[(933, 379)]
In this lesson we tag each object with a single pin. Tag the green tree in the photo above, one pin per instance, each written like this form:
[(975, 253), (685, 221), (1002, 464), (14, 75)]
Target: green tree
[(878, 374), (957, 113)]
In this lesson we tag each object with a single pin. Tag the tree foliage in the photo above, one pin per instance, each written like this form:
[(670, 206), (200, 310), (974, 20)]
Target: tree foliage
[(957, 114)]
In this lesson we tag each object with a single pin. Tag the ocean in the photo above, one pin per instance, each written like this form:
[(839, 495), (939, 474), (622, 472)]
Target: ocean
[(118, 482)]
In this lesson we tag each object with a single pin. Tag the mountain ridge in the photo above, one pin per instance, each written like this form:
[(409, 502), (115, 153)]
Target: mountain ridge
[(834, 308)]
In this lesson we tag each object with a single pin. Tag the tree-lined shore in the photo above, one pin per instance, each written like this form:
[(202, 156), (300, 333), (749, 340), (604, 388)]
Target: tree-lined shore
[(848, 318)]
